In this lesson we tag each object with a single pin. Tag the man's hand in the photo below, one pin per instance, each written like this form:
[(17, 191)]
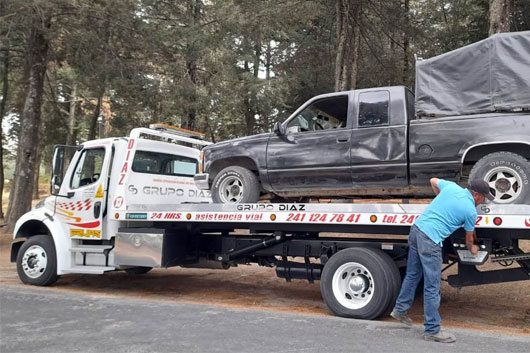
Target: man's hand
[(471, 242), (434, 185)]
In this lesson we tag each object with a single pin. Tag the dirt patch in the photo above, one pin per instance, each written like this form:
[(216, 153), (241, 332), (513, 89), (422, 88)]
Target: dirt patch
[(503, 308)]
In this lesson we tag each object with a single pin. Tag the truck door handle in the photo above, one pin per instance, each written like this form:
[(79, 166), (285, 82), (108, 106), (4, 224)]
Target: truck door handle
[(97, 209), (341, 140)]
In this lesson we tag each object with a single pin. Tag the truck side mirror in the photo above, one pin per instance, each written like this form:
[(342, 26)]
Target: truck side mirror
[(56, 185), (57, 169)]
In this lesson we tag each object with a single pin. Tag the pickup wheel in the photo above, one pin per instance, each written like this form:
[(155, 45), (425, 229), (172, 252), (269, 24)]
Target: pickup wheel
[(508, 175), (235, 185), (360, 283), (37, 261)]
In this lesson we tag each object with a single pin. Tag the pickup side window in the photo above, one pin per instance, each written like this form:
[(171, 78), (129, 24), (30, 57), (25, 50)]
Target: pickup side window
[(88, 168), (164, 164), (324, 114), (373, 108)]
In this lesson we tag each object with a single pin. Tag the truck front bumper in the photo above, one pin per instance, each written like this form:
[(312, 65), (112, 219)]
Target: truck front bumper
[(201, 181)]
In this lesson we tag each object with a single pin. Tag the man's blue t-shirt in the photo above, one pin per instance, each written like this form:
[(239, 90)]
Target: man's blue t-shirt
[(453, 208)]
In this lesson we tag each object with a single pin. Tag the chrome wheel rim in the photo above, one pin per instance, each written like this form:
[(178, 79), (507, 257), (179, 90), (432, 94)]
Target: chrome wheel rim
[(505, 184), (34, 261), (353, 285), (231, 190)]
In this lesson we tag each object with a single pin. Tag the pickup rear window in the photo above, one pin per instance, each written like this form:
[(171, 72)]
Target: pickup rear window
[(373, 108), (164, 164)]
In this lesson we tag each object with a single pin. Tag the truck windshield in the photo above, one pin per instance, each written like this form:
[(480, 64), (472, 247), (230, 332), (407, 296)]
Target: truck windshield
[(164, 164)]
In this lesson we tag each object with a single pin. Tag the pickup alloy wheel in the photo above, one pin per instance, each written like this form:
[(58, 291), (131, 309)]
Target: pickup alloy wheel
[(507, 174), (235, 185)]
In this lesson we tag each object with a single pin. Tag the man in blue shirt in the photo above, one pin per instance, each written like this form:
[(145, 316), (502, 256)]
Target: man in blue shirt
[(452, 208)]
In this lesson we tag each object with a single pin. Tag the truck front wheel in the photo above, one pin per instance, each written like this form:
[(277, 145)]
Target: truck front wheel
[(508, 175), (359, 283), (235, 185), (37, 261)]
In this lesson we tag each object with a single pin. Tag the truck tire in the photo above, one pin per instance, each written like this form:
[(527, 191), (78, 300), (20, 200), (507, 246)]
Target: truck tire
[(395, 279), (142, 270), (359, 283), (37, 261), (235, 185), (508, 175)]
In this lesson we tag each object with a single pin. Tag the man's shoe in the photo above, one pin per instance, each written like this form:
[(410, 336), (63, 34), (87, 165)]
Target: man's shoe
[(403, 318), (440, 337)]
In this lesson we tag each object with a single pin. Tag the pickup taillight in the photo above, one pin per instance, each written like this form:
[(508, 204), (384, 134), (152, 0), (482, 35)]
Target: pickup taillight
[(201, 162)]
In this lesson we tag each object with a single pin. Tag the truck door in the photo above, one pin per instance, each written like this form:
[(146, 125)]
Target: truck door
[(315, 151), (83, 212), (379, 140)]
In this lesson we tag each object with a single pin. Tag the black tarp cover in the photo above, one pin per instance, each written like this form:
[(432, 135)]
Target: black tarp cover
[(490, 75)]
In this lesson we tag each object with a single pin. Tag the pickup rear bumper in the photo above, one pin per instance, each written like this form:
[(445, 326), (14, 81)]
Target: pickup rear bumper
[(201, 181)]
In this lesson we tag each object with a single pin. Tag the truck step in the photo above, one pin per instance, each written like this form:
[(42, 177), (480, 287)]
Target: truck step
[(517, 257), (90, 248), (91, 270)]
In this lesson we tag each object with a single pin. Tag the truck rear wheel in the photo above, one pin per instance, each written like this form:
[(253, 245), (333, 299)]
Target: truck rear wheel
[(359, 283), (508, 175), (235, 185), (37, 261)]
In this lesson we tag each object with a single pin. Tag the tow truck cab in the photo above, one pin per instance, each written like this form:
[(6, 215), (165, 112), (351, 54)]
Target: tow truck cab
[(152, 166)]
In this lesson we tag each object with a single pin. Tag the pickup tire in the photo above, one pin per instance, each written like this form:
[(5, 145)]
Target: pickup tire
[(360, 283), (508, 175), (37, 261), (235, 185)]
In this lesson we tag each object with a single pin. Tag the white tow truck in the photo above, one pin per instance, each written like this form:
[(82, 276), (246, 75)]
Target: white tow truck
[(131, 204)]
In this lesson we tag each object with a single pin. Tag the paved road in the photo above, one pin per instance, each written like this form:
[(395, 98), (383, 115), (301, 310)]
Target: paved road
[(39, 320)]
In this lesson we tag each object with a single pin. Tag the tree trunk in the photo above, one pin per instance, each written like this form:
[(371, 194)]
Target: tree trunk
[(354, 64), (71, 115), (500, 16), (268, 64), (35, 69), (349, 40), (92, 130), (194, 13), (247, 105), (406, 44), (341, 47), (36, 177), (3, 104)]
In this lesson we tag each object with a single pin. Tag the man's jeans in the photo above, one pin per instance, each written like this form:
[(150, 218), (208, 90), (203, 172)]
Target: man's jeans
[(425, 258)]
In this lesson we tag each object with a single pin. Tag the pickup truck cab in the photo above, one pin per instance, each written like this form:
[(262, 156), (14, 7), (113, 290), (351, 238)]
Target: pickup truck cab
[(370, 142)]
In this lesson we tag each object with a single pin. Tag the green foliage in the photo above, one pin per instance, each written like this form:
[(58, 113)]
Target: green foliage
[(226, 67)]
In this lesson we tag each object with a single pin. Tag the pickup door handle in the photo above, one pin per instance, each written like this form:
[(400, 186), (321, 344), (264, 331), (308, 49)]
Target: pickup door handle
[(97, 209), (342, 140)]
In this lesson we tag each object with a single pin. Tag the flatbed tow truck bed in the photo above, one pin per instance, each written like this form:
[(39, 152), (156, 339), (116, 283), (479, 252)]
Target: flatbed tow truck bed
[(279, 234), (131, 204)]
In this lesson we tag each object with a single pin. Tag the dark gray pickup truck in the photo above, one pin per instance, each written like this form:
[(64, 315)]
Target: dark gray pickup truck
[(386, 141)]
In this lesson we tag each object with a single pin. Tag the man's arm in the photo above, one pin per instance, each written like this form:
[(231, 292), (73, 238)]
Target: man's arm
[(471, 240), (434, 185)]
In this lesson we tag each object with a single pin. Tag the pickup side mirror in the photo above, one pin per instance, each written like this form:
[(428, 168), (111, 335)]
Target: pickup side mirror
[(279, 129)]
